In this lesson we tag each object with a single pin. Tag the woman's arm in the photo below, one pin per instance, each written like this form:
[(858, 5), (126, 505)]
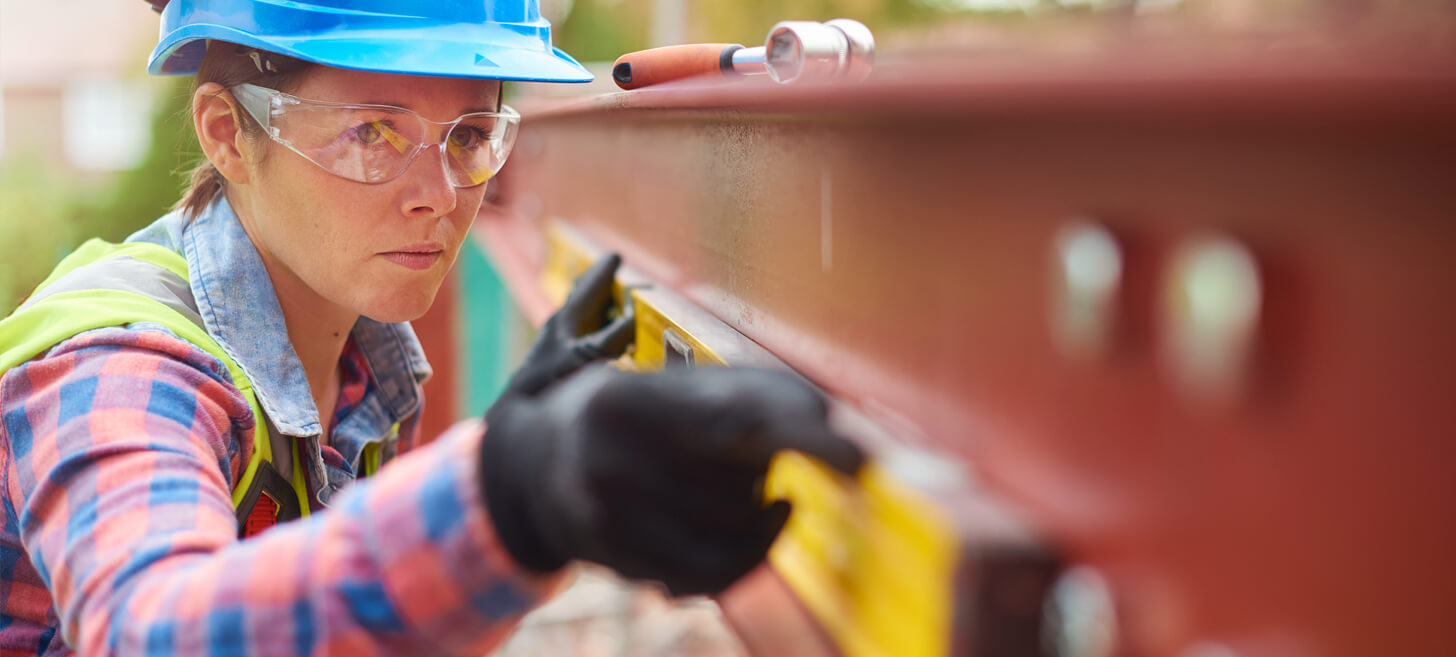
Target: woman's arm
[(120, 448)]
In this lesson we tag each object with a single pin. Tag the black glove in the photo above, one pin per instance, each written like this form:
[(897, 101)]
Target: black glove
[(657, 476), (579, 333)]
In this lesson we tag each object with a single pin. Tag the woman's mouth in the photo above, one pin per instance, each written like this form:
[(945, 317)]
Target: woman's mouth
[(413, 257)]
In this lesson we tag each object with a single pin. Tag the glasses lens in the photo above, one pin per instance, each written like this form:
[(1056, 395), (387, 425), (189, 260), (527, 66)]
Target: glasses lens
[(477, 146), (375, 144), (363, 144)]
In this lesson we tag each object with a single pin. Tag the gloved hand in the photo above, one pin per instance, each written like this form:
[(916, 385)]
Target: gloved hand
[(658, 476), (577, 334)]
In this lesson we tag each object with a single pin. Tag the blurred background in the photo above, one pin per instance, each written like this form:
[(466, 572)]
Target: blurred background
[(92, 146)]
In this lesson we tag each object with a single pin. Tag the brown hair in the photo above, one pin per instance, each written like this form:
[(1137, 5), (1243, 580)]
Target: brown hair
[(229, 64)]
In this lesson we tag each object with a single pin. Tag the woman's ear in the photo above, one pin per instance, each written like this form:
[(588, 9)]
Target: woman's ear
[(216, 119)]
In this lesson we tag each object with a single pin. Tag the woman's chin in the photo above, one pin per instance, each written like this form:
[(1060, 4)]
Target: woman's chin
[(401, 308)]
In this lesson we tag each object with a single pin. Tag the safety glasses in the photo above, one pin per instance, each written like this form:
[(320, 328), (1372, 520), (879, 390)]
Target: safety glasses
[(376, 143)]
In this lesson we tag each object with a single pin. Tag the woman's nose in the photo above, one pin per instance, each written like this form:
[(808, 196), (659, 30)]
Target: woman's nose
[(430, 191)]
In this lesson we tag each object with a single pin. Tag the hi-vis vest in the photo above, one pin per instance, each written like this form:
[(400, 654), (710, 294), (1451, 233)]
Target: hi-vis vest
[(103, 284)]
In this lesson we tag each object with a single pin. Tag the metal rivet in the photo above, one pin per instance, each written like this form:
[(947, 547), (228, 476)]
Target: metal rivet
[(1081, 616), (676, 350), (1087, 273), (1212, 301)]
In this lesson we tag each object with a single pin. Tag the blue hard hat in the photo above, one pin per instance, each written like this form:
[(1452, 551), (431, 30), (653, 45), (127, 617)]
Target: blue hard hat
[(494, 39)]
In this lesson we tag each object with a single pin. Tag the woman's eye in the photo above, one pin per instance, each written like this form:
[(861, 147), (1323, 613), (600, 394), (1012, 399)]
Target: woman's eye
[(464, 137), (368, 133)]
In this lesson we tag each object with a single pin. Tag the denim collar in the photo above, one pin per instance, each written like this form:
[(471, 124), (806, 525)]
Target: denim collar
[(240, 310)]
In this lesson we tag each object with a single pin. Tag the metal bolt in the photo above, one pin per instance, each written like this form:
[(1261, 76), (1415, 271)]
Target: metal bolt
[(1081, 616), (1087, 274), (1212, 301)]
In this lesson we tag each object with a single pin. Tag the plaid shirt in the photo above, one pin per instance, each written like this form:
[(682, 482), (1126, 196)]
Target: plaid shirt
[(118, 452)]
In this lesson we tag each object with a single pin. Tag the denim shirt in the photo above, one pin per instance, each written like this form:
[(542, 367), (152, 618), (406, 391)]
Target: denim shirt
[(240, 310)]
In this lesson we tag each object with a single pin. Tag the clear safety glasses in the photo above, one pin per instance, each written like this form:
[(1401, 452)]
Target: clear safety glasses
[(376, 143)]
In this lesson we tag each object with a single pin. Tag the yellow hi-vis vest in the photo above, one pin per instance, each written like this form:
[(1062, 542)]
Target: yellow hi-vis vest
[(102, 284)]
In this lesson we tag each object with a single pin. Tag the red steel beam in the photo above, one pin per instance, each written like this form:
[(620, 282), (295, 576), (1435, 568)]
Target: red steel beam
[(894, 242)]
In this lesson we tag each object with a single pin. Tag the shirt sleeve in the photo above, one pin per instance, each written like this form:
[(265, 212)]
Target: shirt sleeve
[(119, 449)]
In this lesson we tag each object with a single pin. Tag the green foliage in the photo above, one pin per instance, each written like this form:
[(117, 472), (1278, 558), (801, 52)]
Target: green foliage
[(46, 212), (748, 21), (602, 30), (597, 30), (39, 223), (148, 191)]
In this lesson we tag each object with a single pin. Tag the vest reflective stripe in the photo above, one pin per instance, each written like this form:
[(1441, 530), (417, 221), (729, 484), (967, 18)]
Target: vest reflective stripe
[(95, 249), (101, 285), (126, 274)]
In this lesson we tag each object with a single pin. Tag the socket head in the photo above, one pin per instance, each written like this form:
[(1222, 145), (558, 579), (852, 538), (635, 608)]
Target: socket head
[(861, 47), (805, 50)]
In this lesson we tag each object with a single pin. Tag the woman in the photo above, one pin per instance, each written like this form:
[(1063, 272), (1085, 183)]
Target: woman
[(244, 359)]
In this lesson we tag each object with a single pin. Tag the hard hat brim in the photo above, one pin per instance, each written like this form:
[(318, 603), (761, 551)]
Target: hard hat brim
[(381, 51)]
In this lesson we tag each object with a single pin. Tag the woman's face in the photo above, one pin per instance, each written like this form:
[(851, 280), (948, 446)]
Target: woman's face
[(377, 250)]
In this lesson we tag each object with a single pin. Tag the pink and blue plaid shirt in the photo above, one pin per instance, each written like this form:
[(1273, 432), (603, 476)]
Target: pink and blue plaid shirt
[(118, 452)]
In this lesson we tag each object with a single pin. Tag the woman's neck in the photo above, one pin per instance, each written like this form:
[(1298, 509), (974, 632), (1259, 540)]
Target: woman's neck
[(319, 349), (319, 342), (318, 331), (317, 328)]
